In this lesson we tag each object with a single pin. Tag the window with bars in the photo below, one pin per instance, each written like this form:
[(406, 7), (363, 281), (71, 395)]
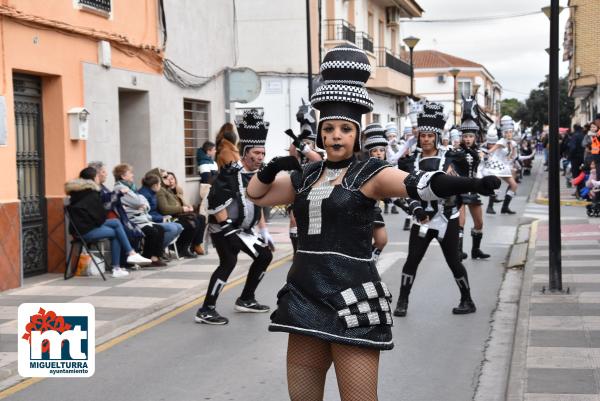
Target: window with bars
[(97, 5), (195, 126)]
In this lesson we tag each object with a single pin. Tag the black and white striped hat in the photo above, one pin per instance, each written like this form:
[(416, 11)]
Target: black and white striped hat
[(507, 124), (432, 118), (374, 136), (343, 96), (252, 130), (469, 126)]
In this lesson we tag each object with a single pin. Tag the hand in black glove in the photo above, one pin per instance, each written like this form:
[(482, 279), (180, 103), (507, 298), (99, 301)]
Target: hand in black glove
[(420, 214), (267, 173), (487, 185), (296, 141), (228, 228)]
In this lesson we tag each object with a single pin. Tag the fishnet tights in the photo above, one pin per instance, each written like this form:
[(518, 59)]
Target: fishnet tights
[(309, 359)]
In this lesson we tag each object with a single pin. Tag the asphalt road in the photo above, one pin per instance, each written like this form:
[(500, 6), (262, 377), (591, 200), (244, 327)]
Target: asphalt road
[(436, 357)]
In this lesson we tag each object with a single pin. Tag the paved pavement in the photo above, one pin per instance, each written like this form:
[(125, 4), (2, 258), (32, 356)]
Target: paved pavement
[(556, 354), (122, 303)]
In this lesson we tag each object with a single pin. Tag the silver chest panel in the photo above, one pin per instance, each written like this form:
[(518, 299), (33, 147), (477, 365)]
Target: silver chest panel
[(316, 196)]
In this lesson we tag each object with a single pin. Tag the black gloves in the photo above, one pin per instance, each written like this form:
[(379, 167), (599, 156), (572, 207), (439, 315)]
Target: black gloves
[(420, 214), (487, 185), (267, 173), (297, 141)]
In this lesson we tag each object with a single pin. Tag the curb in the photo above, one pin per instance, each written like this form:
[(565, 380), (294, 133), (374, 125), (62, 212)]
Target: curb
[(493, 380), (545, 201), (110, 331)]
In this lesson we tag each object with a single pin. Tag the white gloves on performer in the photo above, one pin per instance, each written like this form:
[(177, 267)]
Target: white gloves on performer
[(266, 236)]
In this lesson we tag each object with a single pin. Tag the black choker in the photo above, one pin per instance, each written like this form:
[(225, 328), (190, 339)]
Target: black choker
[(339, 164)]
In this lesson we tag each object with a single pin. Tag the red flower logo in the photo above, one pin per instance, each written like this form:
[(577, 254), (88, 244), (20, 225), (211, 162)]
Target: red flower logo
[(45, 321)]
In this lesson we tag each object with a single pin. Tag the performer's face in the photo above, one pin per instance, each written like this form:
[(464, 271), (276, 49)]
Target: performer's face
[(427, 140), (508, 135), (254, 158), (338, 138), (378, 153), (468, 139)]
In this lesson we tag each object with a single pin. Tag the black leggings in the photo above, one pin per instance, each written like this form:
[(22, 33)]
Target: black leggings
[(193, 232), (153, 241), (417, 246), (228, 249)]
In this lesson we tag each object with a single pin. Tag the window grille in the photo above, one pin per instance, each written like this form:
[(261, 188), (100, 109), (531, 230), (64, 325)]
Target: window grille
[(196, 125)]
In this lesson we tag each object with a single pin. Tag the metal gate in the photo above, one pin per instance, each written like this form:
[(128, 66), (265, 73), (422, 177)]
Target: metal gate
[(30, 172)]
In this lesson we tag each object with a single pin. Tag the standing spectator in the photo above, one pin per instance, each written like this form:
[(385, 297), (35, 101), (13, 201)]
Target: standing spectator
[(576, 152), (137, 208), (207, 167), (227, 150), (150, 186)]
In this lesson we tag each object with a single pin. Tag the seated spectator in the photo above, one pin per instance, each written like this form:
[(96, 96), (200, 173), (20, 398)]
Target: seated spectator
[(207, 167), (168, 203), (136, 206), (150, 186), (89, 217), (227, 150), (113, 206), (200, 224)]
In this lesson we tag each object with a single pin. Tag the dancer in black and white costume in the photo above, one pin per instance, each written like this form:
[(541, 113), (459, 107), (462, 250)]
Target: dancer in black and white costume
[(432, 219), (233, 218), (303, 147), (500, 162), (334, 305)]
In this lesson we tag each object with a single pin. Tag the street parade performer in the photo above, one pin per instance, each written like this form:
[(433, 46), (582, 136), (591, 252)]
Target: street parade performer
[(303, 147), (232, 220), (433, 218), (334, 305), (467, 160), (500, 161)]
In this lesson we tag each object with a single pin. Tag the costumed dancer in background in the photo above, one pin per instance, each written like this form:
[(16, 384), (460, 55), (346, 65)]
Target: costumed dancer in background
[(445, 141), (455, 138), (490, 140), (233, 217), (467, 163), (432, 219), (376, 144), (303, 148), (334, 305), (500, 162)]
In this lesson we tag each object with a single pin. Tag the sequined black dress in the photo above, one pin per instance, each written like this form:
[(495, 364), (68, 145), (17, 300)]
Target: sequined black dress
[(333, 290)]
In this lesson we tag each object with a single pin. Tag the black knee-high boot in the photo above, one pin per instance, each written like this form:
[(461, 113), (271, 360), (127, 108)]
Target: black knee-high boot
[(476, 252), (405, 287), (461, 233), (466, 304), (490, 207), (507, 198)]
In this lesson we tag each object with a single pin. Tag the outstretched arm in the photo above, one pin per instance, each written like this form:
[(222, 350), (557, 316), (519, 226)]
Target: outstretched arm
[(267, 188)]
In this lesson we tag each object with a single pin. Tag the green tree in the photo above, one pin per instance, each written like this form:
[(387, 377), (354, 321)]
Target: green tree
[(510, 106), (536, 113)]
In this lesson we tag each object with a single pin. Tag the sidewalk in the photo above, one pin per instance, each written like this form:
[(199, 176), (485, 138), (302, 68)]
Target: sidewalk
[(125, 303), (556, 354), (566, 193)]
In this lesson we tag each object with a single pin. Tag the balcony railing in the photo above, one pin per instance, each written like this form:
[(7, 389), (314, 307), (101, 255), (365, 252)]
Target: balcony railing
[(339, 29), (385, 58), (102, 5), (364, 41)]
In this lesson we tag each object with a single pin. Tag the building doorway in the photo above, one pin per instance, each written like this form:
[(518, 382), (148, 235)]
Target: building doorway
[(134, 130), (30, 172)]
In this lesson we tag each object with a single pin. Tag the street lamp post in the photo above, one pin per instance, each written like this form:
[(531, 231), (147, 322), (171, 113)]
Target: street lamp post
[(411, 42), (309, 49), (554, 268), (454, 72)]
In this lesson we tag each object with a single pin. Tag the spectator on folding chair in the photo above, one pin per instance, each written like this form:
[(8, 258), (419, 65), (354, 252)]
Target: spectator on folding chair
[(150, 186), (171, 201), (114, 208), (136, 206), (88, 216)]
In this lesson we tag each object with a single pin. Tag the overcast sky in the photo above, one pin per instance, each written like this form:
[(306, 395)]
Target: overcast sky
[(513, 50)]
